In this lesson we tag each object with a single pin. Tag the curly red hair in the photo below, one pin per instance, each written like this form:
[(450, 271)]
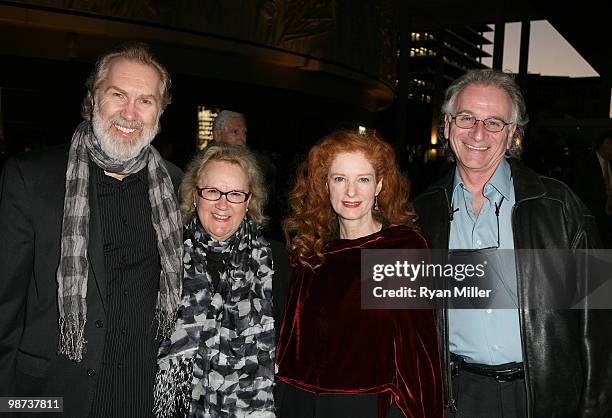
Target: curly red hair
[(312, 221)]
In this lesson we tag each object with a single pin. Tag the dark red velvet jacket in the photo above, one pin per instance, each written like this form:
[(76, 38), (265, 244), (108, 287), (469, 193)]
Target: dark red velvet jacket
[(328, 344)]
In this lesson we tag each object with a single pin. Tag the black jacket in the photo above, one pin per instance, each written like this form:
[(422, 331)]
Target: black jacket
[(567, 353)]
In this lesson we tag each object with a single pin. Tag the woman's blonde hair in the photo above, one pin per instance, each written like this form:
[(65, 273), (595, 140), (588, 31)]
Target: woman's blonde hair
[(235, 154)]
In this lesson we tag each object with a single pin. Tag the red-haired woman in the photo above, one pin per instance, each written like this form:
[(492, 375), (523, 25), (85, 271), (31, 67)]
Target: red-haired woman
[(334, 358)]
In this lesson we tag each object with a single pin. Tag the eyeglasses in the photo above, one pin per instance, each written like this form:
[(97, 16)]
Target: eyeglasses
[(490, 124), (494, 247), (213, 194)]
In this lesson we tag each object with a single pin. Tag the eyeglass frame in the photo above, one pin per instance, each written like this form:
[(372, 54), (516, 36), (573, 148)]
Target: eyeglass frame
[(494, 247), (221, 194), (451, 117)]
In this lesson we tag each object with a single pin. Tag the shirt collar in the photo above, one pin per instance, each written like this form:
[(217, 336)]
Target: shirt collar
[(501, 180)]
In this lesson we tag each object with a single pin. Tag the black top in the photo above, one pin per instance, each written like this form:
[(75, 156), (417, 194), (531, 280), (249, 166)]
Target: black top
[(215, 264), (131, 261)]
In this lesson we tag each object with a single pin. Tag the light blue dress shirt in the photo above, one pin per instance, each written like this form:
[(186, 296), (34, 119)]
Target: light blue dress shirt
[(487, 336)]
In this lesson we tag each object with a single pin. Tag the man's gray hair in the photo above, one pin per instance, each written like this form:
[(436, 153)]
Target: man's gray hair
[(225, 115), (493, 78), (134, 51)]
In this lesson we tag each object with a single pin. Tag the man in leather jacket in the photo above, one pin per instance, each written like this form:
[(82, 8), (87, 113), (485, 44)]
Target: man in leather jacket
[(524, 362)]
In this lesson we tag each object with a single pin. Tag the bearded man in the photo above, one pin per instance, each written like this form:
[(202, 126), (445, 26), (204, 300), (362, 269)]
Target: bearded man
[(90, 250)]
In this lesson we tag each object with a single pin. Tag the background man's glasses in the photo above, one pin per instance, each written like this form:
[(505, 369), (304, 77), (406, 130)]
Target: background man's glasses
[(468, 121), (213, 194)]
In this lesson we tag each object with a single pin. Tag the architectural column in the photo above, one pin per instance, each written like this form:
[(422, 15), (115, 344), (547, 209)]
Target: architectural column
[(2, 139), (437, 96), (498, 44), (403, 72), (524, 51)]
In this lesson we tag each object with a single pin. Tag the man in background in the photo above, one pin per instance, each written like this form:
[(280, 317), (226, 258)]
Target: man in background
[(230, 127), (591, 179)]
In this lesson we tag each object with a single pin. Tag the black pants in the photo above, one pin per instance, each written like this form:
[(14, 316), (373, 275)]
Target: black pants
[(483, 397), (296, 403)]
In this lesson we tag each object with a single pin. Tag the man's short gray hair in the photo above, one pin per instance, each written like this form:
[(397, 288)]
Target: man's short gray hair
[(493, 78), (224, 116)]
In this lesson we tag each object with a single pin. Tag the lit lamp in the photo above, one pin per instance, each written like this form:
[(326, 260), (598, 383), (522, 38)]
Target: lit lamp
[(432, 153), (434, 138)]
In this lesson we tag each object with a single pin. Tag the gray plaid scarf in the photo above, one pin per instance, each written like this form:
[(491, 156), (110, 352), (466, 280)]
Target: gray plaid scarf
[(74, 267), (220, 360)]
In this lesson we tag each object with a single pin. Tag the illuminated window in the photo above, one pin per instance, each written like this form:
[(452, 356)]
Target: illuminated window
[(425, 36), (422, 52), (206, 116)]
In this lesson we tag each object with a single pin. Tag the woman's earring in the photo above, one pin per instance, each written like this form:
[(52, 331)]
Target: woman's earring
[(194, 204), (376, 202)]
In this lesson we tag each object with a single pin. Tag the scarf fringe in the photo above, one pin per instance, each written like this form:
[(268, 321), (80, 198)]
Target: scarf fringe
[(166, 322), (173, 389), (71, 339)]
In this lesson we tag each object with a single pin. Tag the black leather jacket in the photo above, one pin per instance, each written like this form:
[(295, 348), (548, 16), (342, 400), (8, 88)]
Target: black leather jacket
[(567, 353)]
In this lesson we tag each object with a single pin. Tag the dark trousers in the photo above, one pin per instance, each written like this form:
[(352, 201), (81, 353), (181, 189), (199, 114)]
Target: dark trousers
[(484, 397)]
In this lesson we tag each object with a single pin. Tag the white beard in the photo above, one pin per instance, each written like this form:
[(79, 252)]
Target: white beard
[(118, 148)]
